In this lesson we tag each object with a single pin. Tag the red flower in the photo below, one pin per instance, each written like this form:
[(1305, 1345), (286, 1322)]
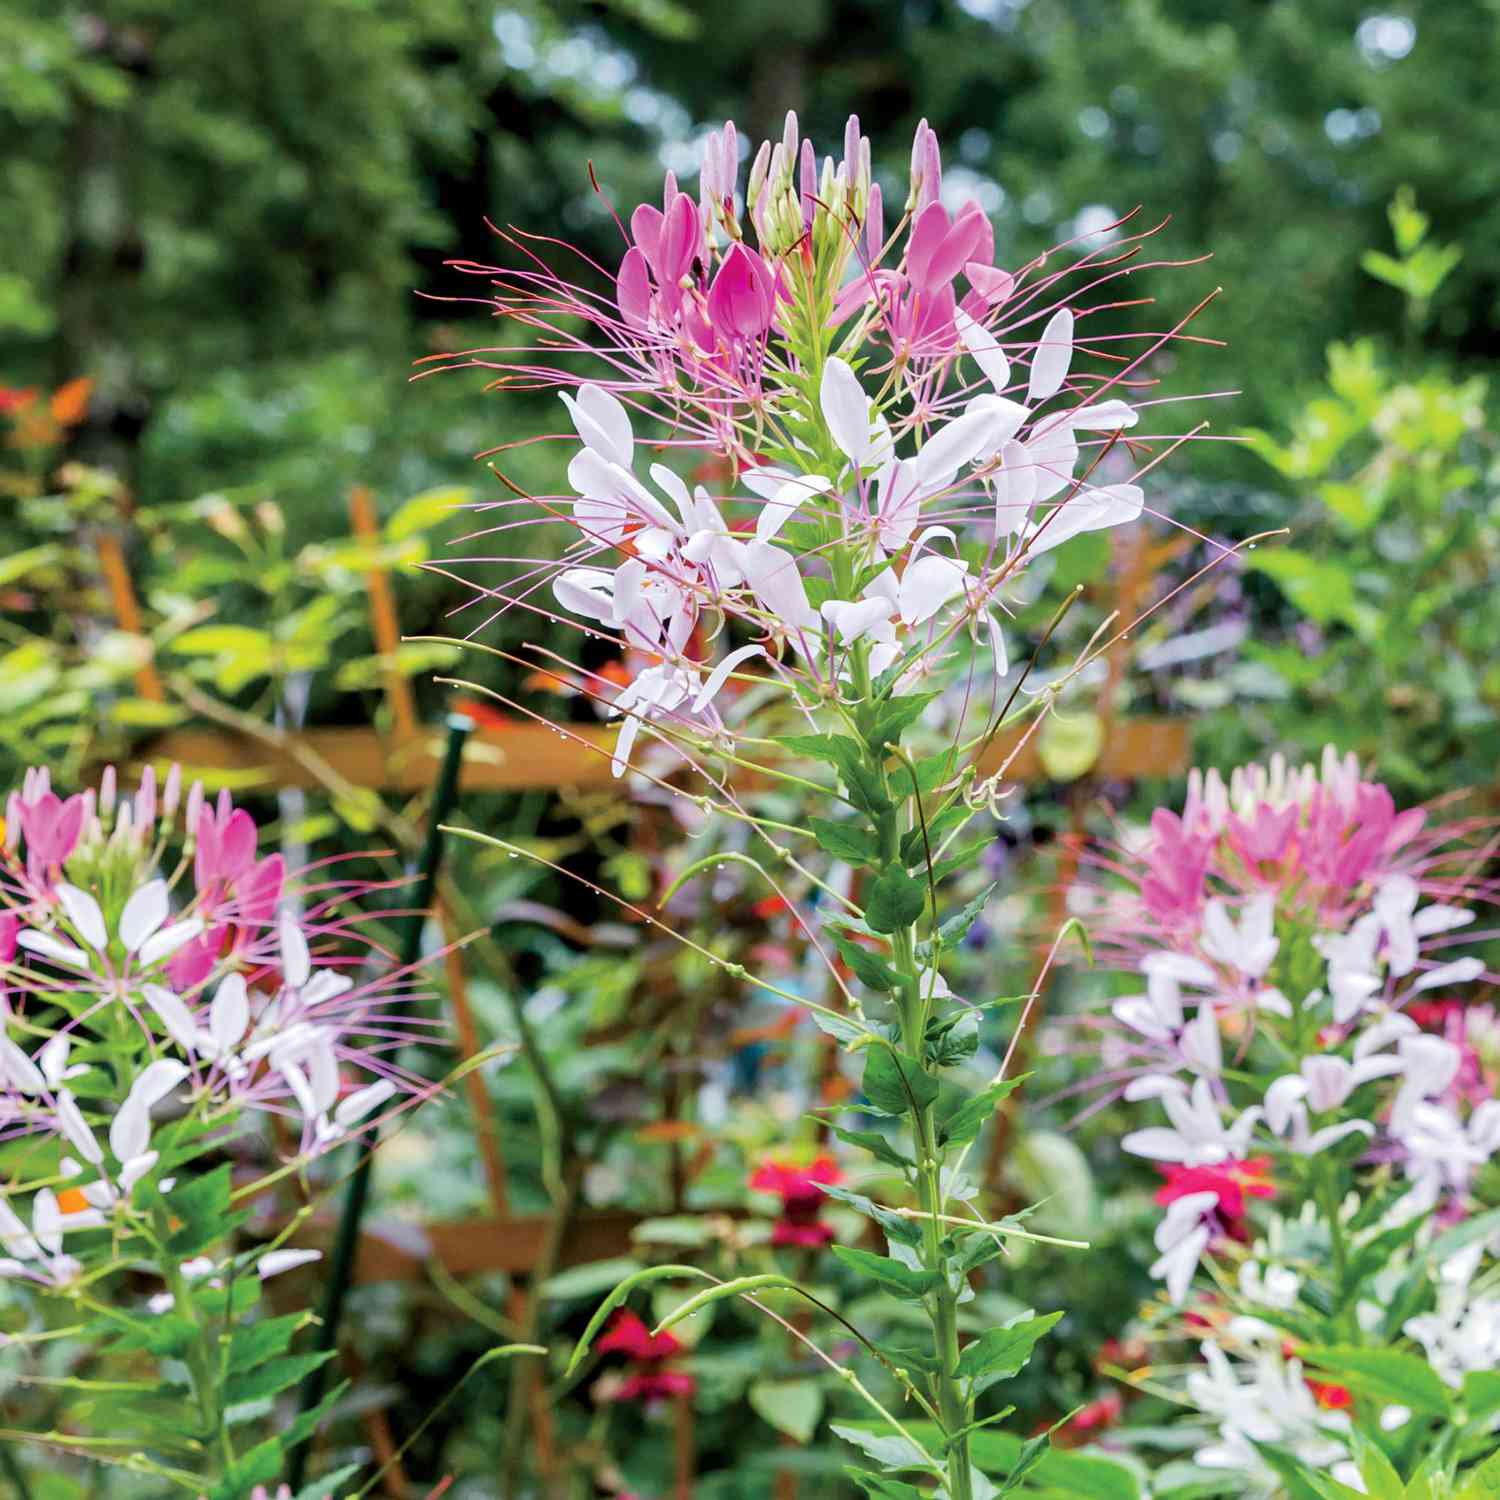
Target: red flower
[(628, 1335), (1104, 1412), (1331, 1397), (800, 1224), (16, 398), (1233, 1181), (649, 1378)]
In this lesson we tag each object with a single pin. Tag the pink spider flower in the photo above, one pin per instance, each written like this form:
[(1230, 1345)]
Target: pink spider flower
[(237, 998), (1000, 416), (800, 1224)]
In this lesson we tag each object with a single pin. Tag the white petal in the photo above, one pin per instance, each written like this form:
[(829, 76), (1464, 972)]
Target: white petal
[(984, 348), (156, 1080), (145, 911), (720, 675), (602, 422), (54, 948), (230, 1013), (846, 409), (53, 1058), (163, 944), (785, 503), (83, 912), (853, 618), (175, 1016), (1460, 971), (23, 1074), (296, 959), (274, 1262), (363, 1101), (950, 447), (130, 1130), (928, 584), (1102, 416), (72, 1124), (1054, 355), (135, 1169)]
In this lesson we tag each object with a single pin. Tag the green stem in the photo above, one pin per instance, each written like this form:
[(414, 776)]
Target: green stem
[(955, 1410), (203, 1356)]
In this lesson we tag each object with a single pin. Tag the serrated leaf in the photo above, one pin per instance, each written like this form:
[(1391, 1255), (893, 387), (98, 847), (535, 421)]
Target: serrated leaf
[(896, 900), (884, 1447), (898, 1279), (903, 1231), (894, 719), (841, 1028), (869, 968), (272, 1379), (872, 1141), (854, 843), (252, 1346), (999, 1353), (893, 1082), (965, 1123)]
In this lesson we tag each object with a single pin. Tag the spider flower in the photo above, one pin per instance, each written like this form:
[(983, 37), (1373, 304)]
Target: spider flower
[(904, 424), (152, 974)]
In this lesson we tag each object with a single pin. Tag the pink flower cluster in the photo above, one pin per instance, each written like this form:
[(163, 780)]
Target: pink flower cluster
[(224, 987), (867, 391)]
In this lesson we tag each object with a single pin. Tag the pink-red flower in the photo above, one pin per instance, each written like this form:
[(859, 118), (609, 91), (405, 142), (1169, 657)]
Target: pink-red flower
[(649, 1376), (799, 1187)]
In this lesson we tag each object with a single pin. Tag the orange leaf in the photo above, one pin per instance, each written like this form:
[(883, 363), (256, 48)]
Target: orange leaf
[(667, 1131)]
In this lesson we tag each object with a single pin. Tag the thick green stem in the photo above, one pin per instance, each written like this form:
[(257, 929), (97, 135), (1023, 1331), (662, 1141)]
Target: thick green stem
[(946, 1386), (203, 1357)]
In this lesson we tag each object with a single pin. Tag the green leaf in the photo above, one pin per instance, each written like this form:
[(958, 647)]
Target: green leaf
[(893, 1082), (952, 1039), (261, 1341), (965, 1123), (898, 1279), (884, 1446), (848, 756), (841, 1028), (1382, 1482), (1482, 1394), (914, 846), (872, 1141), (430, 508), (881, 1487), (869, 968), (896, 900), (1031, 1454), (903, 1231), (323, 1488), (854, 843), (794, 1407), (952, 930), (1385, 1373), (893, 720), (999, 1353), (261, 1465), (1483, 1482), (271, 1379)]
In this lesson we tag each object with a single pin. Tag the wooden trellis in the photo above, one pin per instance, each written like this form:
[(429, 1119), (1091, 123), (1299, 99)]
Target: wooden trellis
[(523, 756)]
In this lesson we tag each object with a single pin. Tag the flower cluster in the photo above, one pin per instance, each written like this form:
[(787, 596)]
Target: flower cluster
[(1291, 929), (907, 424), (152, 971)]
